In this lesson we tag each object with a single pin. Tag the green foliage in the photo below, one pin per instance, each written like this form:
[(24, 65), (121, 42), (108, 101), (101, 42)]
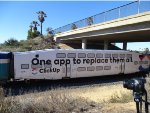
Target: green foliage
[(41, 16), (35, 34), (11, 42), (29, 34), (32, 35), (146, 50), (90, 21), (73, 26)]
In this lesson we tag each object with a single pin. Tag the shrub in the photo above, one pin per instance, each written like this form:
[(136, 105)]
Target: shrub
[(11, 42)]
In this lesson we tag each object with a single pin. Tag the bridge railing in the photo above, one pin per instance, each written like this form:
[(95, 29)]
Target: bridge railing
[(119, 12)]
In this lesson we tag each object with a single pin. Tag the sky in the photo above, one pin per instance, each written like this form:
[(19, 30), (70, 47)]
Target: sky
[(16, 16)]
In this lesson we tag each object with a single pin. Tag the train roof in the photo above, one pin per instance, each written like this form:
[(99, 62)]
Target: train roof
[(72, 50)]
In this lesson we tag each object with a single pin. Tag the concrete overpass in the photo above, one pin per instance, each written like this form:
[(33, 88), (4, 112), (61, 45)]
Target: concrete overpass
[(135, 28)]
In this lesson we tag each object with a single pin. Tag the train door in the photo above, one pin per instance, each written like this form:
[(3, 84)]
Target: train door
[(122, 67), (73, 70), (114, 65), (71, 67), (68, 71)]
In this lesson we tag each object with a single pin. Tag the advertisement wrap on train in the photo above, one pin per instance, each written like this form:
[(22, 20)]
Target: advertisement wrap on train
[(56, 64)]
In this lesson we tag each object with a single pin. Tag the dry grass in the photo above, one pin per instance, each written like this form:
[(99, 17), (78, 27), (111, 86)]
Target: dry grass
[(47, 102), (123, 97), (119, 108), (94, 99)]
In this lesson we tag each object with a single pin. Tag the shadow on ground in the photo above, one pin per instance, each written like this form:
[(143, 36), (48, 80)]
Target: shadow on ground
[(21, 87)]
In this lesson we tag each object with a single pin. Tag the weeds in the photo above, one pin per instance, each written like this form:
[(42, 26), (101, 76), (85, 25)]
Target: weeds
[(53, 102), (124, 97)]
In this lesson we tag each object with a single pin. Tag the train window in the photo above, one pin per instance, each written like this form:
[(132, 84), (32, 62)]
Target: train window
[(135, 62), (24, 66), (91, 68), (71, 55), (145, 62), (36, 66), (99, 55), (115, 55), (129, 55), (140, 62), (122, 55), (107, 55), (107, 68), (61, 55), (81, 69), (99, 68), (90, 55), (81, 55)]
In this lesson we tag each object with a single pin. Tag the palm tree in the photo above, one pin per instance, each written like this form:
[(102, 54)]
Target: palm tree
[(41, 17), (33, 32), (35, 23), (31, 26)]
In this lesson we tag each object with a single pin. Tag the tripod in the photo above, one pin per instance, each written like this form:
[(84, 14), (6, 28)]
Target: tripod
[(138, 99)]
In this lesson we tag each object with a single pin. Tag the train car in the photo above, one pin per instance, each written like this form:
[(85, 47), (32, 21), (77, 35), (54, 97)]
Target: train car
[(56, 64), (5, 61)]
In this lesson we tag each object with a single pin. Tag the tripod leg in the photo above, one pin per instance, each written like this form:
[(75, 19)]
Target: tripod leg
[(140, 107), (146, 104), (137, 107)]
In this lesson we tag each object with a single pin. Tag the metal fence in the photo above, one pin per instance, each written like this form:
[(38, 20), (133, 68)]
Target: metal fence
[(119, 12)]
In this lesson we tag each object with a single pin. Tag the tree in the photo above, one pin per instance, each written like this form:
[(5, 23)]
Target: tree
[(11, 42), (41, 17), (73, 26), (50, 32), (89, 21), (146, 50), (50, 35), (29, 34), (31, 27), (35, 23), (33, 32)]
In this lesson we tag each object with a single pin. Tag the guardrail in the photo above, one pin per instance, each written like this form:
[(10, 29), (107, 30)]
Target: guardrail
[(119, 12)]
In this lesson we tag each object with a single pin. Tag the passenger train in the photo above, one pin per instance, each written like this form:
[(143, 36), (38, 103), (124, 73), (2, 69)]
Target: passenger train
[(56, 64)]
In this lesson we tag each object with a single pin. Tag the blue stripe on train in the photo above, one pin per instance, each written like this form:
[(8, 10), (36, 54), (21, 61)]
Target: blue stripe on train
[(5, 55)]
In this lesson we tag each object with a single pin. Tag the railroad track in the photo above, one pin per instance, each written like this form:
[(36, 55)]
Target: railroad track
[(21, 87)]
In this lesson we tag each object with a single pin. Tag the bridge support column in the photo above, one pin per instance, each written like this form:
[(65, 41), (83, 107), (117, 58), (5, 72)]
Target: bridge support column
[(84, 43), (124, 45), (106, 45)]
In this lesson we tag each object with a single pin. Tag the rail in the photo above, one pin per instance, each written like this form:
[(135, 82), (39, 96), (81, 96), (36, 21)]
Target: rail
[(119, 12)]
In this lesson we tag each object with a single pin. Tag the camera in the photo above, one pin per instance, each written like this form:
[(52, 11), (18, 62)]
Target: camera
[(137, 85)]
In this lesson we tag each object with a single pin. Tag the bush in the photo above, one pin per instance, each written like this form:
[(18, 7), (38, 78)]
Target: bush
[(11, 42), (32, 35)]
